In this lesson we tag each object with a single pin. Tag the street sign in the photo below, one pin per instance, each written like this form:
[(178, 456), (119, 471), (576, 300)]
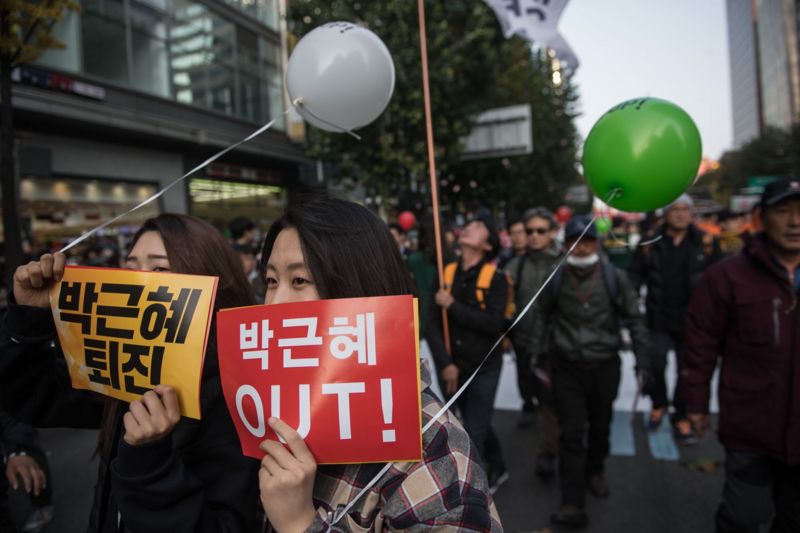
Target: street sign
[(757, 183), (500, 132)]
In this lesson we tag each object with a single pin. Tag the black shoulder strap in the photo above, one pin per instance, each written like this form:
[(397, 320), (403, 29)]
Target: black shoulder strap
[(611, 280), (518, 279), (552, 288), (610, 277)]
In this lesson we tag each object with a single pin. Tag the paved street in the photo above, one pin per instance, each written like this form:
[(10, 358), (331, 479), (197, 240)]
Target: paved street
[(654, 487)]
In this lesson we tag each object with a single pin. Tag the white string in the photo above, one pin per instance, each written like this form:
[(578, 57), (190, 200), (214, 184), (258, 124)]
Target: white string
[(201, 166), (651, 241), (338, 516), (300, 103)]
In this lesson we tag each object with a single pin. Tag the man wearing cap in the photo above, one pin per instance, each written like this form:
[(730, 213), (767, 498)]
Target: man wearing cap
[(670, 267), (745, 310), (475, 295), (578, 325)]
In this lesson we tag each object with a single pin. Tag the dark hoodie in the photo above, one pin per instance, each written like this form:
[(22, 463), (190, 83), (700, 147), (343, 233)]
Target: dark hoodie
[(195, 480)]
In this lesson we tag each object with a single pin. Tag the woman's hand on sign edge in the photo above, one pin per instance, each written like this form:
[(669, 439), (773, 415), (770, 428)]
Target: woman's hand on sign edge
[(286, 480), (32, 281), (152, 417)]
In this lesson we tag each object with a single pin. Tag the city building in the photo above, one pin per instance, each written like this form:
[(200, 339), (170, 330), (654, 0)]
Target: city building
[(765, 65), (143, 92)]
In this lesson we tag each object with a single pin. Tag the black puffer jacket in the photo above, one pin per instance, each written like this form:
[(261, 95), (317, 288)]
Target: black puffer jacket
[(647, 268), (196, 480)]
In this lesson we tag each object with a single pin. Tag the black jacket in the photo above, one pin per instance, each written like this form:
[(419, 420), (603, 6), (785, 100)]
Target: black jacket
[(196, 480), (647, 268), (473, 330), (15, 436)]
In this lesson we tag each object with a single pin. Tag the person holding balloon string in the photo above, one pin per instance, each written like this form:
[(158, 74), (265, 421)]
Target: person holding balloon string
[(158, 471), (324, 247)]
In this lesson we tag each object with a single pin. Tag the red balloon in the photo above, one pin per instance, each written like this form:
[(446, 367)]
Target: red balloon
[(407, 220), (563, 214)]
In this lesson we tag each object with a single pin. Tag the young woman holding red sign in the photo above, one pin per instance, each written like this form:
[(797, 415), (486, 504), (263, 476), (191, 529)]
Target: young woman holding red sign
[(158, 471), (328, 248)]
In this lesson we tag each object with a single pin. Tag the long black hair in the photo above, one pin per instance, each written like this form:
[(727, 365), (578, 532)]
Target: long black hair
[(193, 247), (347, 248), (196, 247)]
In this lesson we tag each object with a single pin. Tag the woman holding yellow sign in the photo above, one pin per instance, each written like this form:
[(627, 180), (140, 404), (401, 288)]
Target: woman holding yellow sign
[(158, 471), (328, 248)]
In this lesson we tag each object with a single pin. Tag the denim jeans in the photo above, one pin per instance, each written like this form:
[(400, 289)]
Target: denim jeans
[(477, 407)]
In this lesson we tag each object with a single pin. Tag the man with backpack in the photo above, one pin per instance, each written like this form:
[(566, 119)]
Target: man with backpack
[(475, 296), (578, 326)]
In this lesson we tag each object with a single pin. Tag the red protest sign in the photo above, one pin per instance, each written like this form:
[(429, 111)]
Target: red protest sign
[(344, 373)]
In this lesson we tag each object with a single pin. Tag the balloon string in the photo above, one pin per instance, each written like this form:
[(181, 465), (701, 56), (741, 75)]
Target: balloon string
[(614, 193), (201, 166), (651, 241), (338, 516), (614, 239), (298, 102)]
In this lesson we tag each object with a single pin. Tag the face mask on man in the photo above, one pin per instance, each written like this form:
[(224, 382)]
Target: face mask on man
[(583, 262)]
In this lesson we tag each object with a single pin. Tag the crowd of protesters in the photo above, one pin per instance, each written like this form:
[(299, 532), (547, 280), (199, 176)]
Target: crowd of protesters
[(704, 288)]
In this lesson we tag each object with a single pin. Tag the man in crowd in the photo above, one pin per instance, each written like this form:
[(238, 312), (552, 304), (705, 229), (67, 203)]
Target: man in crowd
[(519, 242), (528, 272), (670, 268), (26, 468), (400, 237), (475, 296), (242, 231), (579, 328), (746, 310)]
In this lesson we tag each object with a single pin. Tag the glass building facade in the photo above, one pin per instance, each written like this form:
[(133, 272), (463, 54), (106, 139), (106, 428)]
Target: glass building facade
[(776, 38), (764, 44), (183, 50), (744, 71)]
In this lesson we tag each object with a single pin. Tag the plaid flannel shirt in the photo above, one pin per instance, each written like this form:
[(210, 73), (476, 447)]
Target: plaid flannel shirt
[(446, 491)]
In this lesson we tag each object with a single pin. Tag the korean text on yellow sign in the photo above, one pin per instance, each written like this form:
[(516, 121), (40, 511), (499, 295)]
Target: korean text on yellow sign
[(123, 332)]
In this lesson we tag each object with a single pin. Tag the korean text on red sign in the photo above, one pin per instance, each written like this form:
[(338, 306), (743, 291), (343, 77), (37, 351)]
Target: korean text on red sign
[(344, 373)]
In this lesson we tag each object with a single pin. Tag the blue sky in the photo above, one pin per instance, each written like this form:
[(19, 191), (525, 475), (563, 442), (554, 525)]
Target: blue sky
[(676, 50)]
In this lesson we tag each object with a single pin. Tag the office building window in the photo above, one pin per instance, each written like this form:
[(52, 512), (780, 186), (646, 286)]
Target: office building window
[(104, 47), (202, 55), (178, 49), (149, 62)]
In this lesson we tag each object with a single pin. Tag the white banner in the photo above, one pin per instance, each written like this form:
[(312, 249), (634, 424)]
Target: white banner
[(536, 21)]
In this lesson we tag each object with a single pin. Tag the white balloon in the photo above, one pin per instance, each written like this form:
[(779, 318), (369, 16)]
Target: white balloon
[(342, 75)]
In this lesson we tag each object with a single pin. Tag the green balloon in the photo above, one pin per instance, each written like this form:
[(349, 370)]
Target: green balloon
[(646, 149), (603, 225)]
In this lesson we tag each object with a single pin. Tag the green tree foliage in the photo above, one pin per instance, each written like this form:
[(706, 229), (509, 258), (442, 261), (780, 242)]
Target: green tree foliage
[(775, 153), (27, 28), (539, 178), (472, 68)]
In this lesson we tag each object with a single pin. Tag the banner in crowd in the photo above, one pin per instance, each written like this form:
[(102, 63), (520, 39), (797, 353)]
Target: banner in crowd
[(343, 373), (536, 21), (123, 332)]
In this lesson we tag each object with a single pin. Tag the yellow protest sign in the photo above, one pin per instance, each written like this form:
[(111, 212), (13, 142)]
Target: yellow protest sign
[(123, 332)]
